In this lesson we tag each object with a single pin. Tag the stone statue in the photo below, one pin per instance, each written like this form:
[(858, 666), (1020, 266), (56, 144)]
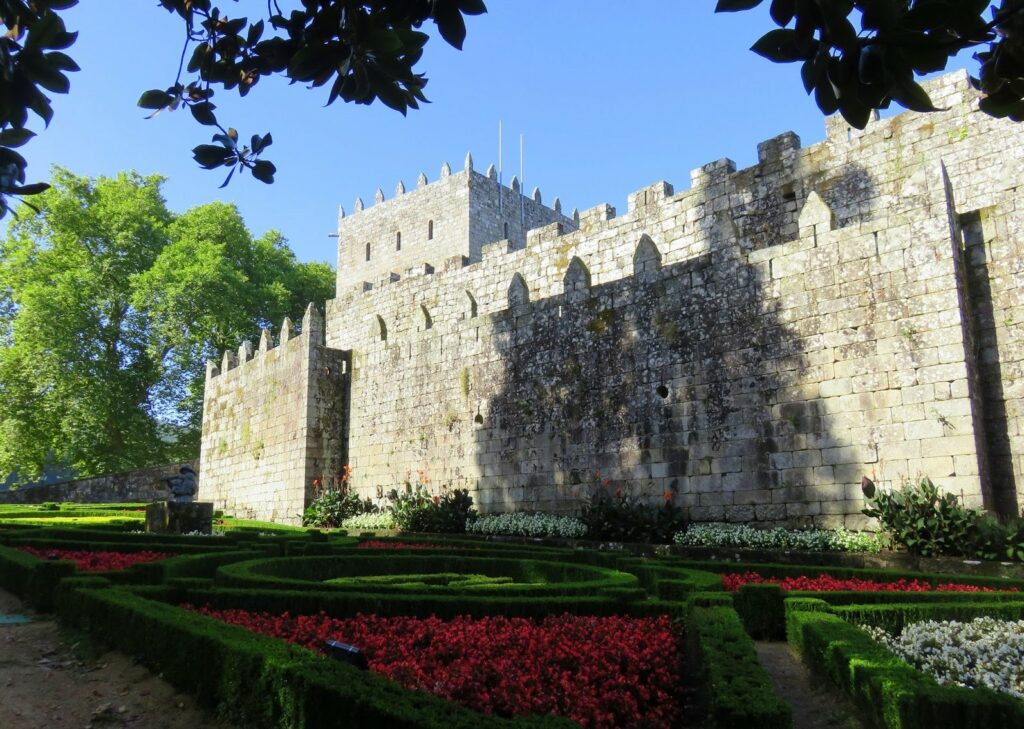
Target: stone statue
[(183, 488)]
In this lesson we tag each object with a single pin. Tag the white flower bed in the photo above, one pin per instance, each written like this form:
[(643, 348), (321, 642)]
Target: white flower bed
[(811, 540), (528, 525), (370, 522), (984, 652)]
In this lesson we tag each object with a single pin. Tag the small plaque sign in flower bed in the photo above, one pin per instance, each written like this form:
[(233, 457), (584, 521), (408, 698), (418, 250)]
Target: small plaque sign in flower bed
[(598, 671), (827, 583), (87, 561)]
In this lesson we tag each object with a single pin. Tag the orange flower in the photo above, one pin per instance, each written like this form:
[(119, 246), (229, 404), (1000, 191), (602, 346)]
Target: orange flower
[(607, 482), (437, 499), (667, 496)]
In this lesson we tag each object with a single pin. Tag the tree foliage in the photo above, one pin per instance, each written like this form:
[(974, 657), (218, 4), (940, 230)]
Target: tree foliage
[(109, 307), (854, 70), (364, 50)]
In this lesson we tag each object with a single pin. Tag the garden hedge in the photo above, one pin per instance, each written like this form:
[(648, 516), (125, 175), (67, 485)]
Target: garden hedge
[(32, 579), (892, 692), (893, 617), (736, 688)]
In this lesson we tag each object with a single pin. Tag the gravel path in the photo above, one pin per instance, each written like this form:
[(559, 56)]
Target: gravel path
[(47, 681), (816, 704)]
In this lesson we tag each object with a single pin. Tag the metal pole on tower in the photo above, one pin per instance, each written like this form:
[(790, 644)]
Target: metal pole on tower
[(499, 167), (522, 186)]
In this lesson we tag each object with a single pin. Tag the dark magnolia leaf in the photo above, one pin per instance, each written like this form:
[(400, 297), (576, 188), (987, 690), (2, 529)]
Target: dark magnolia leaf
[(61, 61), (203, 113), (825, 96), (1002, 104), (15, 137), (880, 14), (449, 22), (472, 7), (928, 15), (731, 6), (155, 99), (255, 33), (782, 11), (41, 106), (871, 65), (263, 142), (778, 45), (264, 171), (856, 114), (309, 62), (33, 189), (210, 156), (910, 94), (62, 40), (807, 23), (199, 56), (51, 79), (926, 58), (232, 27)]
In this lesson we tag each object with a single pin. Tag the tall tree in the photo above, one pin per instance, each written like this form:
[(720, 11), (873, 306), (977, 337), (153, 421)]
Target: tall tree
[(109, 305)]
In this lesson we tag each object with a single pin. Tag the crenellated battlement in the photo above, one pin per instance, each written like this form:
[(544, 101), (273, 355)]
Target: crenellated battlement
[(310, 334)]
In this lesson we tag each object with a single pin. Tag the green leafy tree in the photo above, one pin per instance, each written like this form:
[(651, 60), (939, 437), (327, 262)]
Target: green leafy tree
[(109, 307), (859, 55), (364, 51)]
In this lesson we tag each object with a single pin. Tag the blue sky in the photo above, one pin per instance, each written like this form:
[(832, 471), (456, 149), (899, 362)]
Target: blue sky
[(610, 97)]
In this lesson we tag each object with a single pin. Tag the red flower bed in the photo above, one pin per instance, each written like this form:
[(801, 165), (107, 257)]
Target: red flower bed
[(598, 671), (827, 583), (97, 561), (378, 544)]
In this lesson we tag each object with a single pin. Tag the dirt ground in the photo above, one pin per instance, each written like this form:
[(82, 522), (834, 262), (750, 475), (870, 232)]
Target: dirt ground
[(816, 704), (53, 680)]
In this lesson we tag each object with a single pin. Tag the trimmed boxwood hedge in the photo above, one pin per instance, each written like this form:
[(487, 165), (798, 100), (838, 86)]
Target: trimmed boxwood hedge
[(537, 577), (737, 689), (894, 617), (892, 692), (32, 579)]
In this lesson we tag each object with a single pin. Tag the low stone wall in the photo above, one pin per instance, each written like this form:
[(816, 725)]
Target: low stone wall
[(140, 485)]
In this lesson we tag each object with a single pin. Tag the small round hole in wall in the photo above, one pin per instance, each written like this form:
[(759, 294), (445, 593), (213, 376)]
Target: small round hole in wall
[(662, 391), (479, 419)]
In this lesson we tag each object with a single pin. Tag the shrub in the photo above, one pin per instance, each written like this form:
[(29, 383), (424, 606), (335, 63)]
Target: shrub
[(624, 518), (333, 504), (528, 525), (417, 511), (930, 524), (811, 540)]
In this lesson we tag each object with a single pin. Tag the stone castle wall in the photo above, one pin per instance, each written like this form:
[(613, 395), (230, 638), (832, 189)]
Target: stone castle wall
[(273, 422), (749, 348), (142, 484)]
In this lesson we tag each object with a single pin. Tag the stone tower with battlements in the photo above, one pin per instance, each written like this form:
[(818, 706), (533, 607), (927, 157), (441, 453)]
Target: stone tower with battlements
[(747, 348)]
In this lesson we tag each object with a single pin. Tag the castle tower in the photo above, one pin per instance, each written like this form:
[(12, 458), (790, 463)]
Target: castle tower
[(457, 215)]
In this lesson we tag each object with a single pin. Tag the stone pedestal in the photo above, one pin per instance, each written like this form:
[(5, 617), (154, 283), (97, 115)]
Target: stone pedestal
[(168, 517)]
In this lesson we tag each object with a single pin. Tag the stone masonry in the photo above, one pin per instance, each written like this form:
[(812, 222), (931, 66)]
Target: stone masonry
[(749, 348), (273, 422)]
